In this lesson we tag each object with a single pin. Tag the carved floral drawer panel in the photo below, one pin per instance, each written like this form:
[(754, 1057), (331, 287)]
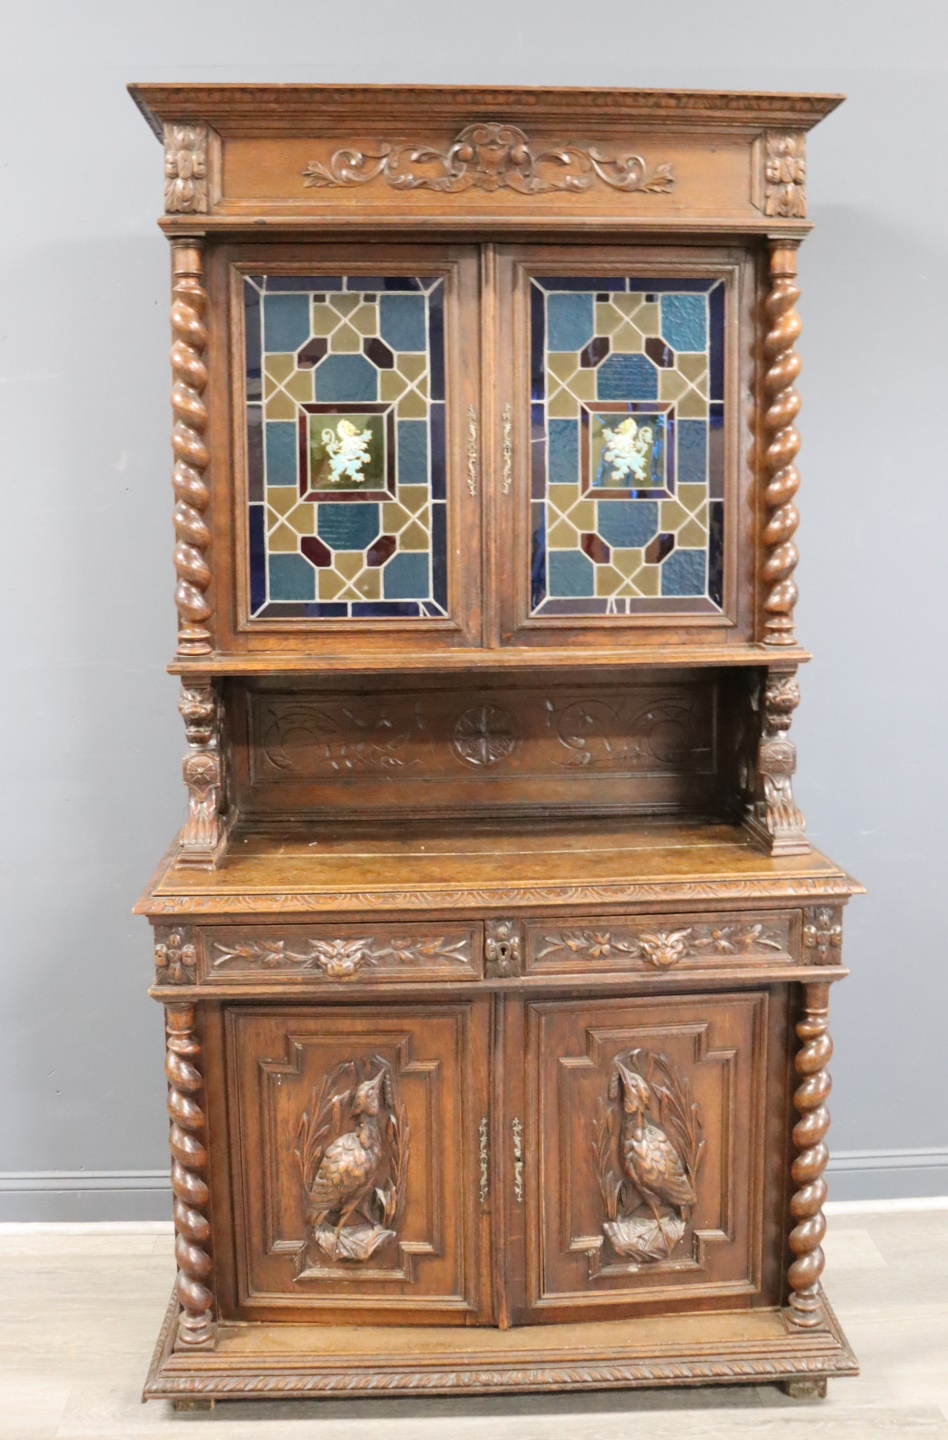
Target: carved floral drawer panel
[(310, 954), (588, 944)]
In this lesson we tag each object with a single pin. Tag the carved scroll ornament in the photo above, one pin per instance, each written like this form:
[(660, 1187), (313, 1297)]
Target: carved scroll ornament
[(352, 1154), (489, 156), (647, 1146)]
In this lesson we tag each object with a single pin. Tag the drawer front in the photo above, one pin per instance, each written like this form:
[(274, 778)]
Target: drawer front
[(340, 954), (591, 945)]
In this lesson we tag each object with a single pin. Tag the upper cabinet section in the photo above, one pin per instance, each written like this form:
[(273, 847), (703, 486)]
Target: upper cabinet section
[(414, 154), (482, 378)]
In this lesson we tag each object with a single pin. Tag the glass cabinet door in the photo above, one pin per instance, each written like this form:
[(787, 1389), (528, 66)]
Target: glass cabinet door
[(621, 371), (357, 368)]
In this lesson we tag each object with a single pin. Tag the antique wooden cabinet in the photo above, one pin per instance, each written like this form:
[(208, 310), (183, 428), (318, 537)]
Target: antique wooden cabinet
[(494, 959)]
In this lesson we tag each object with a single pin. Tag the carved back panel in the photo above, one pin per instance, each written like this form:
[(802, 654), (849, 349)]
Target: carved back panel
[(646, 744)]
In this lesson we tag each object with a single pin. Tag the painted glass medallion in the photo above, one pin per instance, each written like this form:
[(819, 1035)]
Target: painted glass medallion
[(627, 463), (346, 446)]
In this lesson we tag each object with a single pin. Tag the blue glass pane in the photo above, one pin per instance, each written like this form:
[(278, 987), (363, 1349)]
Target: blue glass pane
[(346, 377), (406, 577), (281, 452), (692, 452), (571, 573), (291, 578), (627, 377), (347, 526), (683, 573), (564, 452), (402, 321), (258, 558), (684, 322), (627, 524), (254, 452), (412, 452), (285, 322), (569, 321)]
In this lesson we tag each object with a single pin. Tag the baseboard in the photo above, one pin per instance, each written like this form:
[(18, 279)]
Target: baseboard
[(94, 1196)]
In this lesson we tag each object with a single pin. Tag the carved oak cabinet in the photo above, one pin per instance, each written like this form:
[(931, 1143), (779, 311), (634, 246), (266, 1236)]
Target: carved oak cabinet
[(494, 959)]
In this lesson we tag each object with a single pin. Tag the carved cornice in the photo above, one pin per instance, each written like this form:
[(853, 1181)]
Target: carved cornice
[(185, 169), (803, 887), (489, 156)]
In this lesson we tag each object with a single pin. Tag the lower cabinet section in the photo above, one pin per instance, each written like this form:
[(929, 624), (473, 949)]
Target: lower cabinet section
[(354, 1147), (501, 1160)]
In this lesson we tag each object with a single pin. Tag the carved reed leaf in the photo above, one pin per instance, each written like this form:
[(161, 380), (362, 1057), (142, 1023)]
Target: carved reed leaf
[(489, 156)]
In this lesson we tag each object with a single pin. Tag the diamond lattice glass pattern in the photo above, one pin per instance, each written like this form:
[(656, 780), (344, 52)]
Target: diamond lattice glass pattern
[(627, 445), (346, 446)]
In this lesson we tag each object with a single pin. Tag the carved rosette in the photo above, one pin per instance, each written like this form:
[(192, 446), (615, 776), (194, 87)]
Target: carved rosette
[(175, 956), (785, 174), (782, 443), (196, 1325), (772, 815), (185, 169), (489, 156), (191, 456), (202, 768), (806, 1205), (823, 934)]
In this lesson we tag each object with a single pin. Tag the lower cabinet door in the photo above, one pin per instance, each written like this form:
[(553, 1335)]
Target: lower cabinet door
[(354, 1134), (650, 1162)]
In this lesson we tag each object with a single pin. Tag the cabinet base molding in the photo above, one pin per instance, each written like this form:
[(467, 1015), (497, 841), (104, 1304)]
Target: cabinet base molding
[(729, 1348)]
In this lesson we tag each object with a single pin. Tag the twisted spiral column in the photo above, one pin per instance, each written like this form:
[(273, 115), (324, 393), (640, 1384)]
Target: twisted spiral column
[(782, 443), (188, 1178), (191, 457), (806, 1204)]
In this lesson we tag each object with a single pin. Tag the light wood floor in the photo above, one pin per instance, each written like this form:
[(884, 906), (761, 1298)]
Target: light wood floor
[(79, 1315)]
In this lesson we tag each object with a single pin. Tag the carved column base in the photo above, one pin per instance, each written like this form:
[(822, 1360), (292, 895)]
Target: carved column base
[(775, 839)]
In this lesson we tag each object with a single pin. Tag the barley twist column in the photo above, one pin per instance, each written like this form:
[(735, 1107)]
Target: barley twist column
[(806, 1205), (189, 1178), (191, 456), (781, 445)]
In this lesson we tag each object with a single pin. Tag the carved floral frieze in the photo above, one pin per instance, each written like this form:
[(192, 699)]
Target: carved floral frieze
[(489, 156), (342, 959), (663, 948)]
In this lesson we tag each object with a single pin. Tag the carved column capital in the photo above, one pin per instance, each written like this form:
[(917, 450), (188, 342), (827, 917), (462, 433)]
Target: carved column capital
[(772, 815)]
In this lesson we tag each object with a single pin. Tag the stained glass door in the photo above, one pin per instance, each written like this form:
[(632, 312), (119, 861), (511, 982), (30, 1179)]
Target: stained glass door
[(361, 510), (624, 469)]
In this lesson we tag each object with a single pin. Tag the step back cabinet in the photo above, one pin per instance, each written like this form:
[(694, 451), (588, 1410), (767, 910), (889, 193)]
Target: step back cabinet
[(494, 957)]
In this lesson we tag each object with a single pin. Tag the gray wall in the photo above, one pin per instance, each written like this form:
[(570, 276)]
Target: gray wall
[(91, 741)]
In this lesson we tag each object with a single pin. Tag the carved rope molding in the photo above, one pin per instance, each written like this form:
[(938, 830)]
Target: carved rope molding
[(203, 773), (186, 169), (191, 456), (781, 446), (189, 1178), (806, 1204), (342, 959), (489, 156)]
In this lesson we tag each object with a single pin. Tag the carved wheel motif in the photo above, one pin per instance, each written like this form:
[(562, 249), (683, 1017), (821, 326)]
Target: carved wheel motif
[(647, 1147), (489, 156), (352, 1155), (484, 735)]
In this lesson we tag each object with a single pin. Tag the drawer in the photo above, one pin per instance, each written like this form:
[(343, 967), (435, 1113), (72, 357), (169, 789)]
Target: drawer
[(586, 945), (335, 955)]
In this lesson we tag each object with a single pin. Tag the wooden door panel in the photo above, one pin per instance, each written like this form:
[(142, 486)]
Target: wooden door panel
[(623, 384), (644, 1148), (353, 370), (355, 1137)]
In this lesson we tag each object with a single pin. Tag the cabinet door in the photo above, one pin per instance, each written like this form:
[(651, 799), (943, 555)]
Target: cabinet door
[(622, 392), (652, 1139), (354, 377), (354, 1139)]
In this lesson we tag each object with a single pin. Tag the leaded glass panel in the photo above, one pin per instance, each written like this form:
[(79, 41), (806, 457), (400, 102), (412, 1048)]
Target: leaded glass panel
[(346, 446), (627, 445)]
